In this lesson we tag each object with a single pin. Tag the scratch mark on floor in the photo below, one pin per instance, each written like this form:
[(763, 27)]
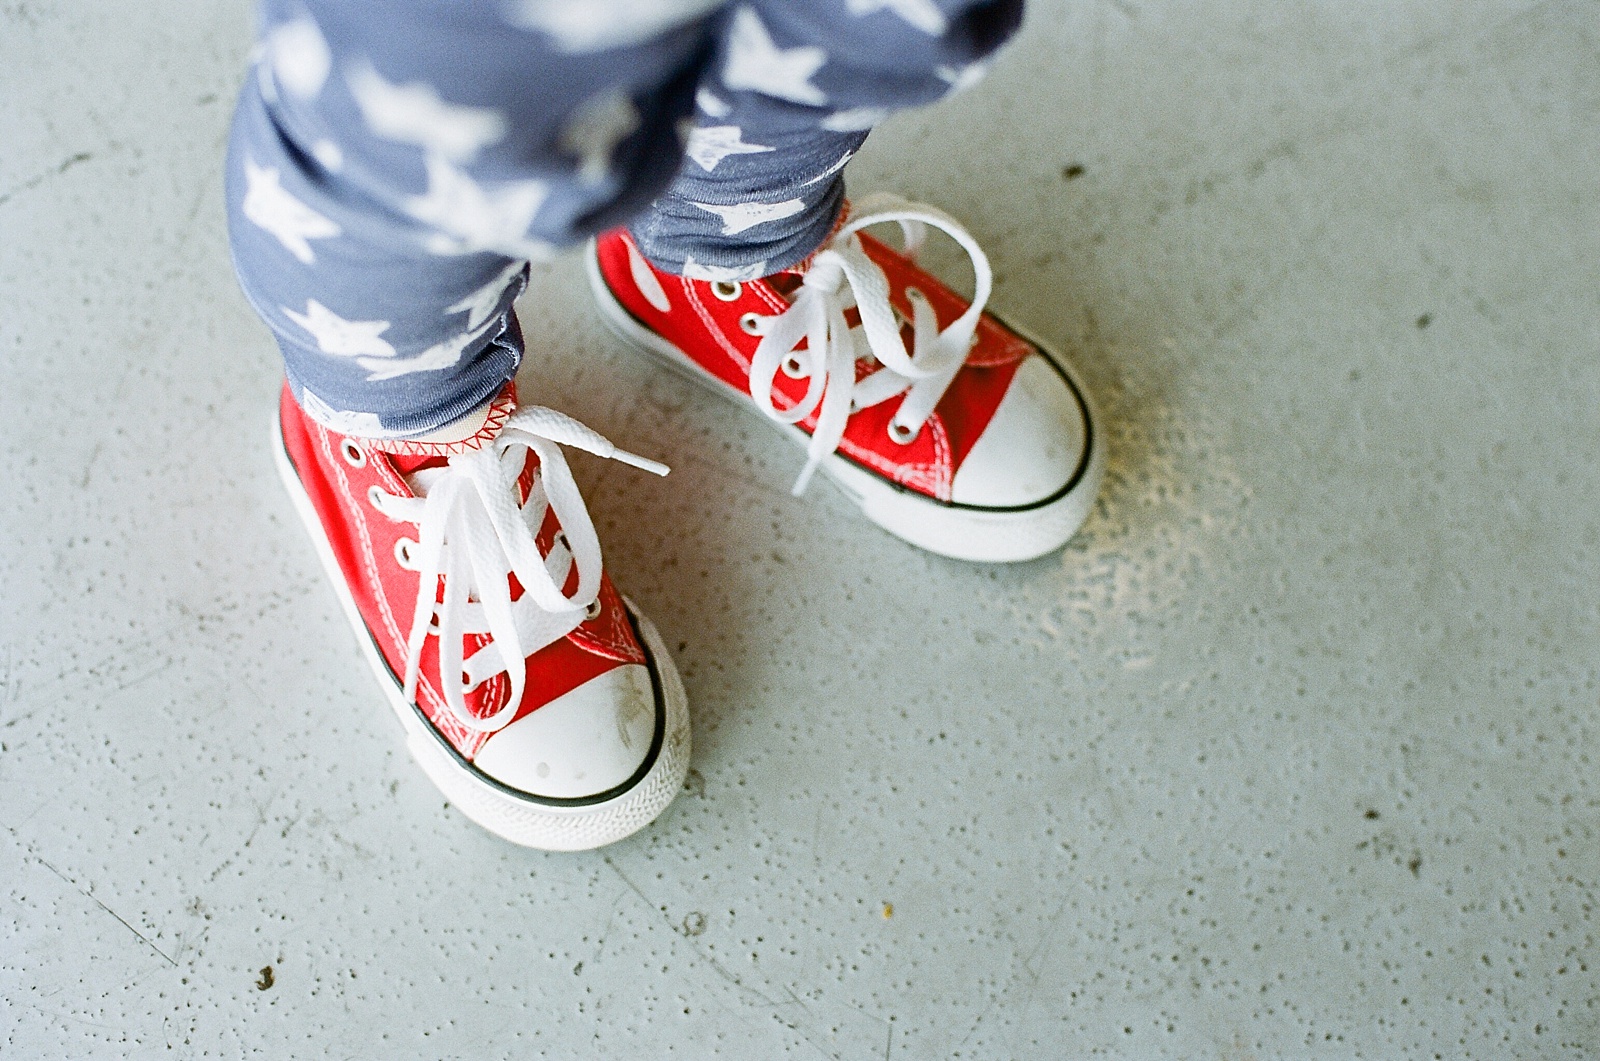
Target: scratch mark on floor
[(66, 1017), (88, 466), (605, 933), (88, 895), (721, 970), (33, 182), (10, 684), (1040, 950)]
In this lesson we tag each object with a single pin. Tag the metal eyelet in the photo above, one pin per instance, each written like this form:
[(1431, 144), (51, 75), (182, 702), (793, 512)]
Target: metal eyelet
[(902, 434), (750, 323), (402, 554), (377, 495), (591, 610), (792, 368), (726, 290), (354, 455), (562, 540)]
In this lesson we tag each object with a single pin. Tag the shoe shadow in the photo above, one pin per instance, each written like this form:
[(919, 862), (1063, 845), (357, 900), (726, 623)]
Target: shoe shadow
[(1170, 492), (797, 626)]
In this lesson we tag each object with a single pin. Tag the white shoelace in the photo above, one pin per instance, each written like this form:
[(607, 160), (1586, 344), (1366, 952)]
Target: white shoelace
[(829, 357), (475, 534)]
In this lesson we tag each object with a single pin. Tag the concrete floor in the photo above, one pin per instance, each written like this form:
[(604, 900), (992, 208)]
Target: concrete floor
[(1289, 754)]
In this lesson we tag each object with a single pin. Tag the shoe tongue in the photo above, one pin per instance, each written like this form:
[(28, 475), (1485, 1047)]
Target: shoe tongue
[(785, 283), (419, 471)]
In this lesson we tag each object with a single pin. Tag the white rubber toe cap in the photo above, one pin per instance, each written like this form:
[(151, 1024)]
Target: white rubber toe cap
[(582, 744), (1032, 447)]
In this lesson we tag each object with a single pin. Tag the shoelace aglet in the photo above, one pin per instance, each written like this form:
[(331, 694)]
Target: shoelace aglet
[(642, 463), (804, 481)]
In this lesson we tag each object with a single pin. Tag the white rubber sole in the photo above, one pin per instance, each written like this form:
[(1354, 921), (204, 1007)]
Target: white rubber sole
[(962, 532), (549, 825)]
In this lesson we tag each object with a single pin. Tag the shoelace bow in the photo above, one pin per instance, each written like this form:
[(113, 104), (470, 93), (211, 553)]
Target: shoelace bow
[(475, 534), (841, 274)]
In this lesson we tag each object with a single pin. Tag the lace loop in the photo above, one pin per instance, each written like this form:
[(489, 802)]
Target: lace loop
[(843, 270), (476, 531)]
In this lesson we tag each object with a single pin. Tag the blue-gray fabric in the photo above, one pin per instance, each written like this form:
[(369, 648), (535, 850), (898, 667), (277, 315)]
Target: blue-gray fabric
[(395, 163)]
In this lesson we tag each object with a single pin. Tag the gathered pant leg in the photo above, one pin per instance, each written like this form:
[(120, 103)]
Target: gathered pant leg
[(394, 164)]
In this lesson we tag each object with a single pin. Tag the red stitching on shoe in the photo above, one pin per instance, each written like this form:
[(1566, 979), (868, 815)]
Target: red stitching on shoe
[(896, 471), (435, 707), (711, 324), (500, 409), (932, 479), (434, 703), (773, 300), (368, 561), (943, 458)]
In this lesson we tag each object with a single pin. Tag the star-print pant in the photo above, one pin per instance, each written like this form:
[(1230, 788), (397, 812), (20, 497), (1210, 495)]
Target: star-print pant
[(395, 163)]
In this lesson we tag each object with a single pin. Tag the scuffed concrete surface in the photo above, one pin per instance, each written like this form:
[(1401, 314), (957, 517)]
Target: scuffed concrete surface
[(1289, 754)]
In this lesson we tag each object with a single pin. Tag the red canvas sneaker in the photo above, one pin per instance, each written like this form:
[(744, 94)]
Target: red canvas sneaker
[(534, 696), (947, 427)]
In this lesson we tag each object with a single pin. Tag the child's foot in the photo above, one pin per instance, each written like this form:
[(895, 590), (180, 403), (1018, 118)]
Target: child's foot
[(954, 432), (567, 727)]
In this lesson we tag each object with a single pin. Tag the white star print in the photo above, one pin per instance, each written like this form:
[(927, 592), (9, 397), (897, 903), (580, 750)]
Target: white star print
[(272, 208), (414, 114), (597, 127), (920, 13), (340, 337), (831, 170), (706, 101), (644, 278), (755, 62), (300, 57), (725, 273), (329, 154), (741, 216), (484, 301), (444, 245), (436, 357), (595, 25), (856, 120), (964, 78), (362, 425), (478, 220), (710, 144)]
